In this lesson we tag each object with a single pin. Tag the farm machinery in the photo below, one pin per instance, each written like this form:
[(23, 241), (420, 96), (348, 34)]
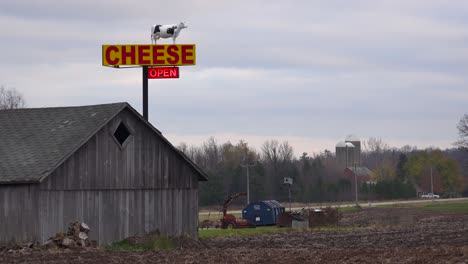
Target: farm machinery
[(229, 220)]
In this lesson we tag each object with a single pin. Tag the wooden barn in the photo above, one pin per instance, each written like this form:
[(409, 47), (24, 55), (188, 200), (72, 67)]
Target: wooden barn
[(103, 165), (364, 175)]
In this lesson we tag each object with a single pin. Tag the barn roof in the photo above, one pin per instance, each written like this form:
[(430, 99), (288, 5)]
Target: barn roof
[(35, 141), (359, 171)]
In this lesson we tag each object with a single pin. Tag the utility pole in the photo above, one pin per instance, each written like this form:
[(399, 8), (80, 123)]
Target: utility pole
[(355, 183), (288, 181), (247, 166), (432, 183)]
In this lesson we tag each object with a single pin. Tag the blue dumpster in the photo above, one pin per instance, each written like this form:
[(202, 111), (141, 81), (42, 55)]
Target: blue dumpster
[(262, 213)]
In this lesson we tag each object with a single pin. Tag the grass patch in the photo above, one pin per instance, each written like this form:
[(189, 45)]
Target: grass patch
[(164, 243), (264, 230), (438, 205), (126, 246), (241, 231), (349, 209), (447, 207), (399, 205)]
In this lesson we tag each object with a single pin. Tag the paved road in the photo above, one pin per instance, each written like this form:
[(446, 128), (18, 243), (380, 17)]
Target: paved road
[(363, 204)]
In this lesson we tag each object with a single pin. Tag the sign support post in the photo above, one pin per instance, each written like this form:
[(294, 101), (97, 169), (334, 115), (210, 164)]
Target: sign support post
[(145, 92)]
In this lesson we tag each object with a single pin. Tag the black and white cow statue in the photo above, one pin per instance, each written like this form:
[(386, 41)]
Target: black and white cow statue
[(166, 31)]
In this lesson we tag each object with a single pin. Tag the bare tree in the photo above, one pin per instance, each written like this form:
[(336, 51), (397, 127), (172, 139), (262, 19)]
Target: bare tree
[(376, 145), (211, 153), (286, 151), (183, 147), (462, 127), (270, 150), (10, 99), (376, 154), (275, 152)]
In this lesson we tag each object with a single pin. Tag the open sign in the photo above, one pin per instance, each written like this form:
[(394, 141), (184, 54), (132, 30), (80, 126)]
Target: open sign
[(163, 73)]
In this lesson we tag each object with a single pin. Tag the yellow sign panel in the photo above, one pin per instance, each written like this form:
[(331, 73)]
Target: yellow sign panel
[(148, 55)]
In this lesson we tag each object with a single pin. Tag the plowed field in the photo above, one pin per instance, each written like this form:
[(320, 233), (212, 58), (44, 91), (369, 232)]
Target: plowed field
[(373, 235)]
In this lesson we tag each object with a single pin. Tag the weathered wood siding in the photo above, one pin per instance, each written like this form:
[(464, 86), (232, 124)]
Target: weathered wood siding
[(146, 162), (19, 219), (116, 214), (119, 192)]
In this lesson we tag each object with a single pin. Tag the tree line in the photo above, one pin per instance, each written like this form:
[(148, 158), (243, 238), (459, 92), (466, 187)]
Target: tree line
[(397, 173)]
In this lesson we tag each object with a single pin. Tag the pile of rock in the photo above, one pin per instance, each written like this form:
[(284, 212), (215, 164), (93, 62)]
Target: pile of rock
[(76, 236)]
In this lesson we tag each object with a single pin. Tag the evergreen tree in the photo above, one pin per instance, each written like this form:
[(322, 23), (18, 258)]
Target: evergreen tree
[(400, 170)]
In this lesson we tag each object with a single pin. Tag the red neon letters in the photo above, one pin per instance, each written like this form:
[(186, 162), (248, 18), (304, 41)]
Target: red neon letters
[(163, 73)]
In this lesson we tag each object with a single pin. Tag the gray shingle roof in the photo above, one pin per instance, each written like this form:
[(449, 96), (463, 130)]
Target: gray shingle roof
[(360, 171), (33, 141)]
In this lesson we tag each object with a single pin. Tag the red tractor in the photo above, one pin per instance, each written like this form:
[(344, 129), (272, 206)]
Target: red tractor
[(229, 220)]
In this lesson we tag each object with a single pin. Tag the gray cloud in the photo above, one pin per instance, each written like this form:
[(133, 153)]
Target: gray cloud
[(302, 69)]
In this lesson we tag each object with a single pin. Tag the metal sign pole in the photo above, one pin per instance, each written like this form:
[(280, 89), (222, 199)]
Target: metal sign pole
[(145, 92), (248, 187)]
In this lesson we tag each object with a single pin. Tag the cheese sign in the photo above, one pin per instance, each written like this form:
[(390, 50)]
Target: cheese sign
[(163, 73), (148, 55)]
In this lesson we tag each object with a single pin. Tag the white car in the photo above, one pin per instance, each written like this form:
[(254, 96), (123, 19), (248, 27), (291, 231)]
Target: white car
[(430, 196)]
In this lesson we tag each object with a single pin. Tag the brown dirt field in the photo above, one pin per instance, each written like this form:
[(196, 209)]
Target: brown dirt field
[(374, 235)]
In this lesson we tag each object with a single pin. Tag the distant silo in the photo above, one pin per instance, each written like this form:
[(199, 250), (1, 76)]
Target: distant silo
[(341, 154), (345, 154), (353, 139)]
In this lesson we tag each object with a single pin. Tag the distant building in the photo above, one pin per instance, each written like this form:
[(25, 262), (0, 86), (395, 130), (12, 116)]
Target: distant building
[(353, 139), (348, 156), (363, 174), (348, 152), (345, 154)]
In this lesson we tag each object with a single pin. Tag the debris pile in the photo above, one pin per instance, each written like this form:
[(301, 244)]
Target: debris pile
[(292, 219), (76, 236), (17, 247), (324, 217)]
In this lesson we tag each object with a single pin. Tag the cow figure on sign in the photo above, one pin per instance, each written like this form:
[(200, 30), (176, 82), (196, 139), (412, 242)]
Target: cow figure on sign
[(166, 31)]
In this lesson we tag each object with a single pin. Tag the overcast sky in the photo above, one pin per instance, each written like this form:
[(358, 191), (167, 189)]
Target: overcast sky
[(309, 72)]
